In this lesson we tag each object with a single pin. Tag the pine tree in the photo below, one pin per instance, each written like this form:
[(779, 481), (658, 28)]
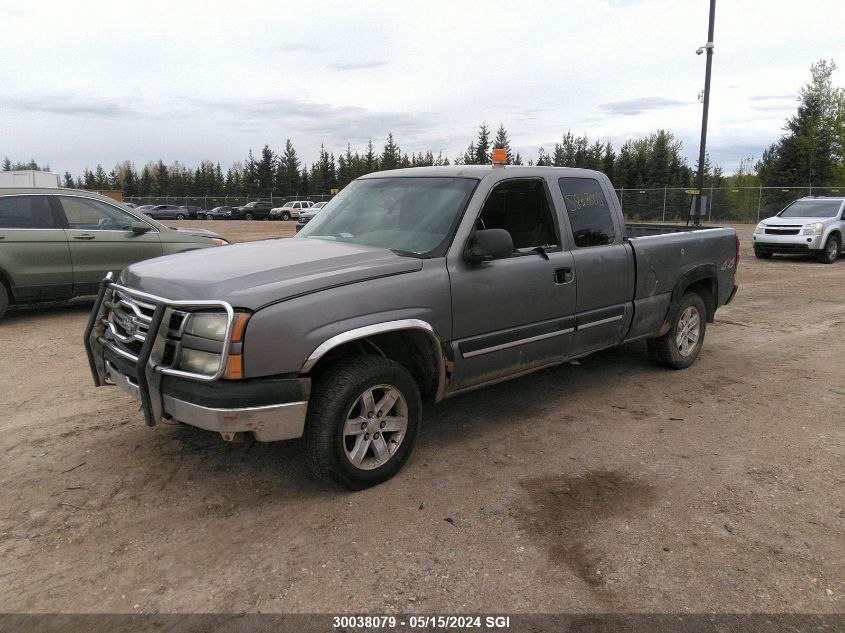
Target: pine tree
[(482, 146), (371, 163), (7, 164), (287, 172), (543, 159), (391, 157)]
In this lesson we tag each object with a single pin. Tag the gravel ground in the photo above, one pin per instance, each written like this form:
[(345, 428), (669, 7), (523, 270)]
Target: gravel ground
[(604, 485)]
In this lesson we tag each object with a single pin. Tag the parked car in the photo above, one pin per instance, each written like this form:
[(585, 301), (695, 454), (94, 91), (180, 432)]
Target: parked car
[(223, 213), (131, 205), (259, 210), (193, 210), (813, 225), (58, 243), (167, 212), (307, 215), (144, 208), (411, 286), (290, 209)]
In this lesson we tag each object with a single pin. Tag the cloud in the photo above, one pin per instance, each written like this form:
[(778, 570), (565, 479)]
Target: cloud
[(359, 65), (639, 105), (773, 97), (70, 105)]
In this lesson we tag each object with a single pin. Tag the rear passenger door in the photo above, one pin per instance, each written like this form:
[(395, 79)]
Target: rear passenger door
[(101, 240), (604, 270), (34, 253)]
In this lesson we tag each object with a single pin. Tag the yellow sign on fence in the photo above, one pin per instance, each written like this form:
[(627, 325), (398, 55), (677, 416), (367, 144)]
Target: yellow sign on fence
[(692, 192)]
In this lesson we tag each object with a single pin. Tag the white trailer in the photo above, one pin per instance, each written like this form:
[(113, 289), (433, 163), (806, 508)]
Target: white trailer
[(29, 178)]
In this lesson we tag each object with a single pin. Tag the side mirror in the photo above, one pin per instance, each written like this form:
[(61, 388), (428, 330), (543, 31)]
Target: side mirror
[(139, 228), (489, 244)]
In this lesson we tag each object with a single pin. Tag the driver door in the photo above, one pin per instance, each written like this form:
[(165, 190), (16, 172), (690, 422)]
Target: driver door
[(101, 240), (514, 314)]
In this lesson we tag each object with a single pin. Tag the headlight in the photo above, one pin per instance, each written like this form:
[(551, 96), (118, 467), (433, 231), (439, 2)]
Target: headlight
[(816, 228), (760, 228), (197, 362), (208, 325)]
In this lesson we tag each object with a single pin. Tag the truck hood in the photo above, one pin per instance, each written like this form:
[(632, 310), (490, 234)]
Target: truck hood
[(254, 274)]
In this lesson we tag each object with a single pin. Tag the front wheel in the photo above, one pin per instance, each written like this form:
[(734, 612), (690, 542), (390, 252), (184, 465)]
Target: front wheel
[(209, 217), (830, 252), (362, 421), (285, 216), (680, 346)]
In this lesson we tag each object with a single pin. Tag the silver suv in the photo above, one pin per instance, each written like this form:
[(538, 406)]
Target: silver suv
[(812, 225)]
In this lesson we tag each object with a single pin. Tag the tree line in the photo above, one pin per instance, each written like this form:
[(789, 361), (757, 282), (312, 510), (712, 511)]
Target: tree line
[(810, 152)]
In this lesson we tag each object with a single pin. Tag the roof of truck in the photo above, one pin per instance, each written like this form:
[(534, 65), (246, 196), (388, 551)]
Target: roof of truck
[(480, 171)]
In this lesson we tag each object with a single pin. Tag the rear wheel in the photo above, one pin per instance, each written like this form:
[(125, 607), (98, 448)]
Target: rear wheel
[(680, 346), (247, 216), (180, 216), (830, 252), (362, 421), (762, 254), (209, 217)]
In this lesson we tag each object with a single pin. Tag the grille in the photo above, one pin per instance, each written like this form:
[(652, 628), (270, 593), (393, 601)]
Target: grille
[(783, 231), (128, 319)]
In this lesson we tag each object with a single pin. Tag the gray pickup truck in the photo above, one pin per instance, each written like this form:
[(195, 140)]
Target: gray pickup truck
[(410, 287)]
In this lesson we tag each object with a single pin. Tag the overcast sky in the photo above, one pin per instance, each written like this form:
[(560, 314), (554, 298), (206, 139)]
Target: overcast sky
[(85, 82)]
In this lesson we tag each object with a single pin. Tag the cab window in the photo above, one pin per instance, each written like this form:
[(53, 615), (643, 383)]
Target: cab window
[(91, 215), (589, 214), (522, 208), (26, 212)]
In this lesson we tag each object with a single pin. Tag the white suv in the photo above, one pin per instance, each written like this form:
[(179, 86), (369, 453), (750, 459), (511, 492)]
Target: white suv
[(290, 209), (812, 225)]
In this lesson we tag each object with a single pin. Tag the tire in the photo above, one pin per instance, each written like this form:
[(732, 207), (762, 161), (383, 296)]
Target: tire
[(247, 216), (209, 217), (180, 216), (762, 254), (347, 454), (673, 349), (285, 216), (830, 252), (4, 300)]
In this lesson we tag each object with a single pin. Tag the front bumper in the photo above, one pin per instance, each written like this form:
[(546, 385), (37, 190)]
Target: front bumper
[(767, 243), (270, 408)]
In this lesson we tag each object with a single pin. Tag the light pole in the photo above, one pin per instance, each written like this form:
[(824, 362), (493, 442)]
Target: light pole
[(708, 48)]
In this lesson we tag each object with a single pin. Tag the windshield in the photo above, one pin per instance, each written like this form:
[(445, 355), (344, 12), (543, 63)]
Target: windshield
[(411, 216), (811, 209)]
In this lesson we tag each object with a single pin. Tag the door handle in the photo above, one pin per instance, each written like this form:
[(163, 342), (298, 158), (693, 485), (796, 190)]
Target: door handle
[(564, 276), (83, 237)]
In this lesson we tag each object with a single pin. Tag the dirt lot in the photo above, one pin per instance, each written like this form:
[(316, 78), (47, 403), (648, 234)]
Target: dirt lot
[(606, 485)]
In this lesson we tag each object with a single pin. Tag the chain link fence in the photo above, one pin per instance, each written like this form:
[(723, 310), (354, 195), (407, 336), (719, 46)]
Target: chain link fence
[(662, 204), (724, 204)]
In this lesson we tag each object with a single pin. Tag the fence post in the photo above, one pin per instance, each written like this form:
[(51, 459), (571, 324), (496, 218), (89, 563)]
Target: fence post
[(759, 200), (664, 205), (710, 210), (621, 197)]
